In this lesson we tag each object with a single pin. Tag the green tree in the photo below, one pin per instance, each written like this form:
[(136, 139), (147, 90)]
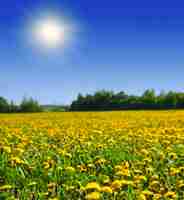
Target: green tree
[(170, 100), (4, 106), (149, 98), (30, 105), (180, 99), (13, 108), (102, 99)]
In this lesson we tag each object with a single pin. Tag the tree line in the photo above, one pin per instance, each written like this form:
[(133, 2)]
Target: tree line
[(102, 100), (26, 105), (109, 100)]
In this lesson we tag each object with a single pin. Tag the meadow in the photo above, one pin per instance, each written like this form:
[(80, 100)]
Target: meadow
[(92, 155)]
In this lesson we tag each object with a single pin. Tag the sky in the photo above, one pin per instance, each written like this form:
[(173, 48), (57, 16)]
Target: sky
[(116, 45)]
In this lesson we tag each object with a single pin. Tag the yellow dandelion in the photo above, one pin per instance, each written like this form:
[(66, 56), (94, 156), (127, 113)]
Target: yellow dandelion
[(170, 194), (141, 178), (154, 186), (93, 196), (174, 171), (116, 185), (106, 189), (70, 169), (147, 193), (92, 186), (172, 156), (16, 161), (7, 149), (142, 197), (157, 196)]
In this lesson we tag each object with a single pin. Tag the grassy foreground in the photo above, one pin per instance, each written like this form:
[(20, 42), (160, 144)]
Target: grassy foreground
[(110, 155)]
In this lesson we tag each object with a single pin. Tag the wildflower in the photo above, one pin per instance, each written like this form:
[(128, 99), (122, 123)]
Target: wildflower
[(7, 149), (144, 152), (147, 160), (51, 186), (174, 171), (92, 186), (154, 178), (141, 178), (69, 155), (93, 196), (154, 186), (116, 185), (16, 161), (46, 165), (118, 168), (181, 186), (100, 161), (124, 172), (82, 168), (161, 156), (147, 193), (181, 169), (106, 189), (149, 170), (170, 194), (70, 169), (157, 196), (19, 150), (137, 171), (172, 156), (142, 197)]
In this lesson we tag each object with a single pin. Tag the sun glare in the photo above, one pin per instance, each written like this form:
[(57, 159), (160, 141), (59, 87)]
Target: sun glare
[(51, 33)]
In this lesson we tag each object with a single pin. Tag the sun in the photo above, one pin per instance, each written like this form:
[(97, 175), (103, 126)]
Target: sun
[(50, 32)]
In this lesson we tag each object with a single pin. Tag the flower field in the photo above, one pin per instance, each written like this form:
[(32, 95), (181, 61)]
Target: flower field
[(96, 155)]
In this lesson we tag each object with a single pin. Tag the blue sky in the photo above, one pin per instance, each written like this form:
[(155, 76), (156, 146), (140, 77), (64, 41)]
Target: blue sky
[(119, 45)]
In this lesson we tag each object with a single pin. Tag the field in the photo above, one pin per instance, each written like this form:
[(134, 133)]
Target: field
[(103, 155)]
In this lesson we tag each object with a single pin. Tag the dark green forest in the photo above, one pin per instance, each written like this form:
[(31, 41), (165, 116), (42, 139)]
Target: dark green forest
[(102, 100), (109, 100)]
